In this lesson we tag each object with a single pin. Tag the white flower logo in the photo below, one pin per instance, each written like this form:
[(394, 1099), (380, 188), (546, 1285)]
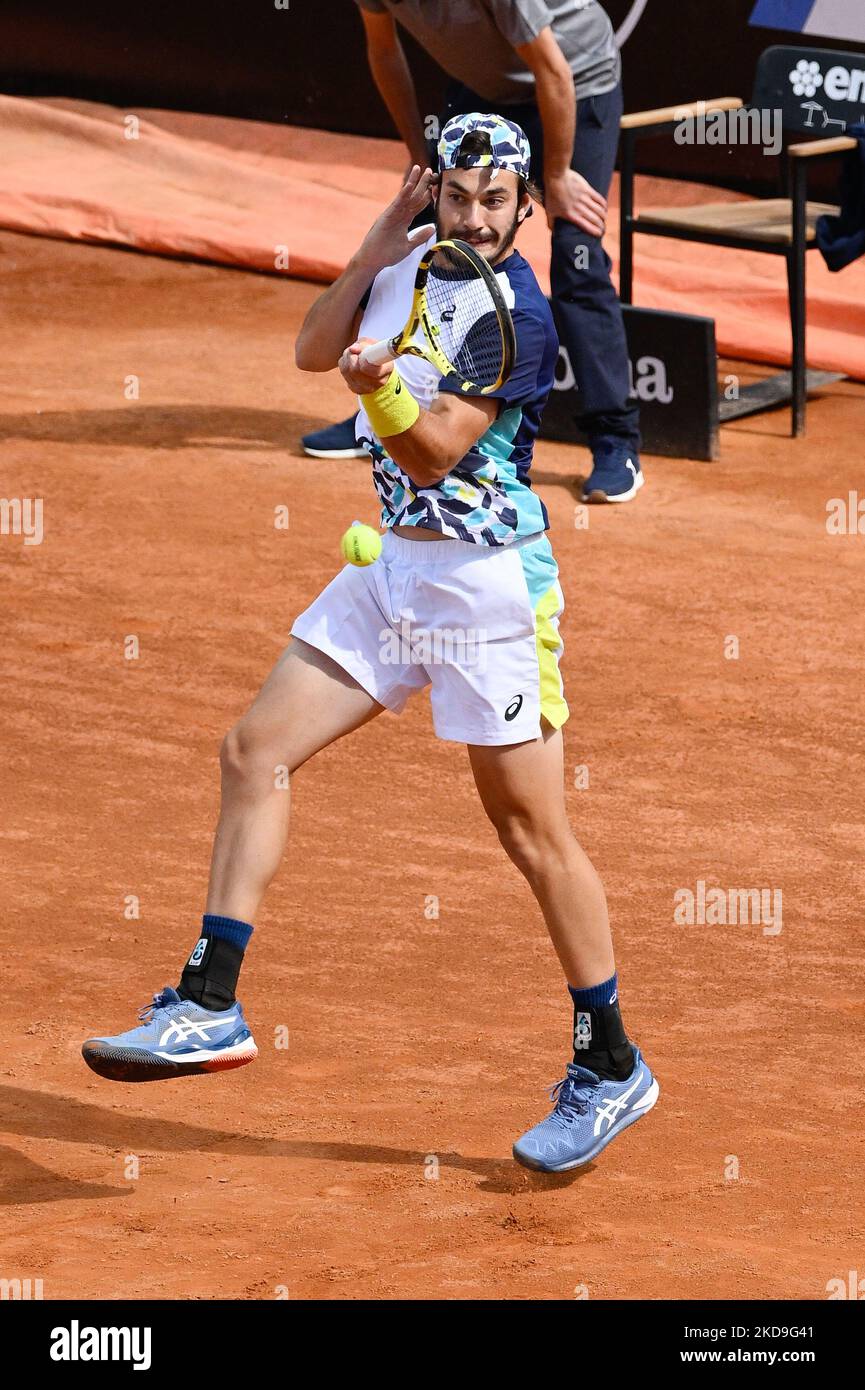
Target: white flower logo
[(806, 78)]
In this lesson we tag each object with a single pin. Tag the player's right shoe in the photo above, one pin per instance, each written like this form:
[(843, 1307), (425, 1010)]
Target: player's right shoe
[(334, 442), (176, 1038), (589, 1113), (616, 474)]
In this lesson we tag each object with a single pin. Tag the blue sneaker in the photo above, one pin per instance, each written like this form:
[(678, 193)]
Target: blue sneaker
[(616, 475), (589, 1113), (334, 442), (179, 1038)]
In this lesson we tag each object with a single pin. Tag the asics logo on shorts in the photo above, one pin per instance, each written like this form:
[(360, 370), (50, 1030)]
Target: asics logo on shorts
[(514, 708), (182, 1029)]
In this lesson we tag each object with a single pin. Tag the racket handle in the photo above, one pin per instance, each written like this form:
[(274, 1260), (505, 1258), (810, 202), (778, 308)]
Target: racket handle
[(375, 353)]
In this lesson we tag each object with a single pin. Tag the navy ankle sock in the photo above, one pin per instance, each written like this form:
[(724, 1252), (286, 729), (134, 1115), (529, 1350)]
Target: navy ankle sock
[(600, 1042), (210, 975)]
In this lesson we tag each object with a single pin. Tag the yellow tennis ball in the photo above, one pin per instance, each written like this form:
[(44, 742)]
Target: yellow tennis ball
[(360, 545)]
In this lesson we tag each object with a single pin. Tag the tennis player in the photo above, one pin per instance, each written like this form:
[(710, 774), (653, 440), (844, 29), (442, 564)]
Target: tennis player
[(465, 560), (554, 70)]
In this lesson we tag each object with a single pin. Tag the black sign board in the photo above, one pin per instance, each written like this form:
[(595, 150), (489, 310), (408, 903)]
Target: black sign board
[(673, 376), (818, 90)]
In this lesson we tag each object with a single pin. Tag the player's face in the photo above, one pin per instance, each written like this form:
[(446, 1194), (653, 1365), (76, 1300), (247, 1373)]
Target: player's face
[(481, 206)]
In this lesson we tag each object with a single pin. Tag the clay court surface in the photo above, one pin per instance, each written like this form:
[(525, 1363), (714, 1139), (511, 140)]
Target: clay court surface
[(410, 1038)]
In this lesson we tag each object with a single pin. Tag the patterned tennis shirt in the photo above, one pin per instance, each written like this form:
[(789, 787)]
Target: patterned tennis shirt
[(488, 497)]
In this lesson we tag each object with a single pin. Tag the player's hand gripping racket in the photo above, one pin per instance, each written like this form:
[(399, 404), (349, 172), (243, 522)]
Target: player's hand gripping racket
[(459, 320)]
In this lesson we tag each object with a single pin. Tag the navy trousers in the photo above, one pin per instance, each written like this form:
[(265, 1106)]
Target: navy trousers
[(585, 305)]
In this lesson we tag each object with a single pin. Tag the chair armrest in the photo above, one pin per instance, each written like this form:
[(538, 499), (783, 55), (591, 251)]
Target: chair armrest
[(819, 149), (671, 115)]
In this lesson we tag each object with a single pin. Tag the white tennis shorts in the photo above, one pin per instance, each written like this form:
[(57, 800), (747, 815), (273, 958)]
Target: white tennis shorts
[(478, 624)]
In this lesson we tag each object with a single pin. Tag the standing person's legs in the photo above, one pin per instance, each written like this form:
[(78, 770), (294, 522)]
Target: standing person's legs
[(585, 303)]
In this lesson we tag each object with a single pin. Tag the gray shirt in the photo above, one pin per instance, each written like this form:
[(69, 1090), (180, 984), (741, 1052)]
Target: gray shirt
[(474, 41)]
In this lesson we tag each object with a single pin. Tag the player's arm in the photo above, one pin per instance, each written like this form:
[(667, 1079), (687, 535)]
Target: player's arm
[(436, 439), (393, 79), (441, 436), (333, 319), (566, 193)]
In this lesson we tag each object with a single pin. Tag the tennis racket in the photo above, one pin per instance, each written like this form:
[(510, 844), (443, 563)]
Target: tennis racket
[(459, 320)]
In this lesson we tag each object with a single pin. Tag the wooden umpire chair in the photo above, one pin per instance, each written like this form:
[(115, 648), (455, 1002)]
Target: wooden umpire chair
[(783, 226)]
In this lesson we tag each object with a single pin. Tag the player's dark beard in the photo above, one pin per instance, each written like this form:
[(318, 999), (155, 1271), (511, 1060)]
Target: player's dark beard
[(489, 250)]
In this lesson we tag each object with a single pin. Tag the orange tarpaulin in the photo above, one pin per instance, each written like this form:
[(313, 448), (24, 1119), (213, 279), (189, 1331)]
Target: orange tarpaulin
[(296, 202)]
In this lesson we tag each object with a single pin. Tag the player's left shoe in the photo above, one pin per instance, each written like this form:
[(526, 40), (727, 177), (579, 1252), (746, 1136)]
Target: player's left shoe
[(334, 442), (177, 1038), (616, 474), (589, 1113)]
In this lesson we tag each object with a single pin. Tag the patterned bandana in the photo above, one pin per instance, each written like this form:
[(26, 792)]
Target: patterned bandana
[(508, 145)]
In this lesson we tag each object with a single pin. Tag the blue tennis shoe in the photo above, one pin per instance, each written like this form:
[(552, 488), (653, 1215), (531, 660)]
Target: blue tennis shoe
[(616, 474), (334, 442), (589, 1113), (177, 1038)]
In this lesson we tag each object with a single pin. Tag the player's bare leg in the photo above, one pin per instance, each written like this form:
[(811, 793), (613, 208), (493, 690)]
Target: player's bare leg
[(522, 790), (306, 703), (607, 1086)]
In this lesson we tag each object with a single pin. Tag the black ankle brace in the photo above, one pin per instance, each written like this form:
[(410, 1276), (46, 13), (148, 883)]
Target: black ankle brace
[(600, 1042), (210, 975)]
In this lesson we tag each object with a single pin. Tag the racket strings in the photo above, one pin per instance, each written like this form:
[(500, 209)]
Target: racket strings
[(464, 317)]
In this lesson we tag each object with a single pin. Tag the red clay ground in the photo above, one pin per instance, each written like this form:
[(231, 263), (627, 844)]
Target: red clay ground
[(410, 1037)]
